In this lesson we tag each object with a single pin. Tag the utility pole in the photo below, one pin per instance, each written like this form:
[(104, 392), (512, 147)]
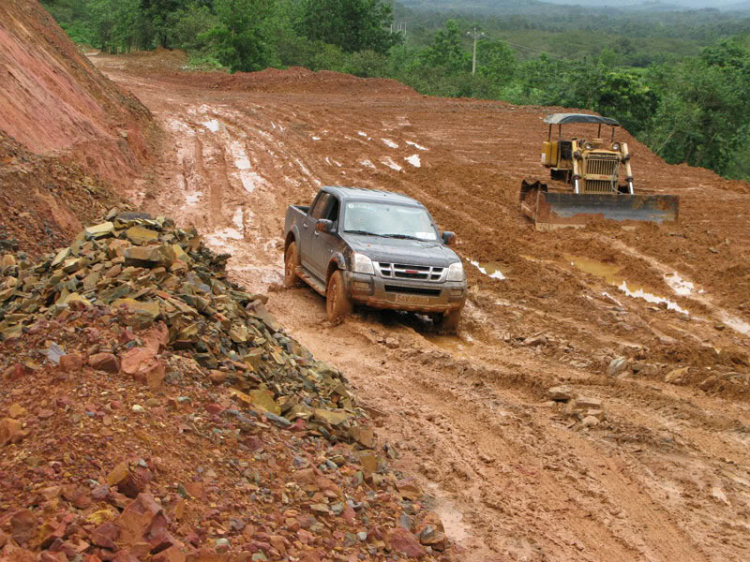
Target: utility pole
[(476, 35)]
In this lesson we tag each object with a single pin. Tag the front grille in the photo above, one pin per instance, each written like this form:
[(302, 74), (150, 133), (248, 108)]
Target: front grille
[(416, 272), (412, 291), (598, 186), (602, 164)]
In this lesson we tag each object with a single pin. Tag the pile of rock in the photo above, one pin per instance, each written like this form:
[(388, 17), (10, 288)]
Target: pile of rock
[(587, 411), (151, 410), (147, 273)]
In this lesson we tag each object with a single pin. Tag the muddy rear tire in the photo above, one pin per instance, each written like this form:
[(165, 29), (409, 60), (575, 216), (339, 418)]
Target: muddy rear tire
[(338, 303), (449, 321), (291, 279)]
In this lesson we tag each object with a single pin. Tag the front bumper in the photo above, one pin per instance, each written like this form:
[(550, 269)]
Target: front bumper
[(413, 296)]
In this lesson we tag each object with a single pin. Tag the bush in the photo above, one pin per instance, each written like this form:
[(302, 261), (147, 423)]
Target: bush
[(367, 64), (205, 62)]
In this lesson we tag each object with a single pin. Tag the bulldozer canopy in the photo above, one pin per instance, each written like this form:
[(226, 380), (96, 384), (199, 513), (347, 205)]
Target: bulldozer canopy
[(568, 118)]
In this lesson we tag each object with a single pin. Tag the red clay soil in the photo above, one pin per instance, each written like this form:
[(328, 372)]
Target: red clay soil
[(64, 128), (661, 475)]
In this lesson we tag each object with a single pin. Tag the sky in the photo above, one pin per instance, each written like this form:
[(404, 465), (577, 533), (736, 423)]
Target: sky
[(685, 3)]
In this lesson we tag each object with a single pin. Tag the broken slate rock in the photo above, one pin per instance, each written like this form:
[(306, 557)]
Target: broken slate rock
[(106, 362), (561, 393)]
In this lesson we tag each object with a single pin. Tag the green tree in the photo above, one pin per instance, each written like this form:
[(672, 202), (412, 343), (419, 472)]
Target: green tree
[(626, 97), (238, 40), (161, 15), (447, 51), (703, 117), (190, 22), (352, 25), (496, 60)]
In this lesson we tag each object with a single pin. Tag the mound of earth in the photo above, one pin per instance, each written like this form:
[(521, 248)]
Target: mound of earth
[(293, 80), (301, 80)]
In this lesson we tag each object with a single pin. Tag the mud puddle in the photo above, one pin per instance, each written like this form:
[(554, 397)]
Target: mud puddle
[(493, 269), (610, 274), (452, 344)]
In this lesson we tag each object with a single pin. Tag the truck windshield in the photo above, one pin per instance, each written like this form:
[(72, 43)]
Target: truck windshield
[(389, 221)]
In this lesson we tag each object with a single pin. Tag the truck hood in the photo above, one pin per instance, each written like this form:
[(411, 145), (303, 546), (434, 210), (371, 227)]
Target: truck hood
[(409, 252)]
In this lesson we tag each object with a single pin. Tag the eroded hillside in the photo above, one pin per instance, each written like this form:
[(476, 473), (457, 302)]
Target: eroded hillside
[(70, 139)]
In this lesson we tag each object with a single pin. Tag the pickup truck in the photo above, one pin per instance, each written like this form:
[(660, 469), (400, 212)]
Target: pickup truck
[(374, 248)]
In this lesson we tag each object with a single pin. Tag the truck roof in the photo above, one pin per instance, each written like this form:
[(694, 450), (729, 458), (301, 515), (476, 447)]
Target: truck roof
[(375, 195)]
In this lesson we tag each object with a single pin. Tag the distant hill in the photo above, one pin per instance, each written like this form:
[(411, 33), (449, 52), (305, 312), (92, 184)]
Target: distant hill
[(486, 7), (553, 7)]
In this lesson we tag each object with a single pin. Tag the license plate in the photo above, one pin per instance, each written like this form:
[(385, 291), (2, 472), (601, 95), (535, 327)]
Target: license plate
[(412, 299)]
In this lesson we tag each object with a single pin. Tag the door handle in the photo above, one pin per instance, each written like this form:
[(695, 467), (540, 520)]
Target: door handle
[(317, 234), (304, 225)]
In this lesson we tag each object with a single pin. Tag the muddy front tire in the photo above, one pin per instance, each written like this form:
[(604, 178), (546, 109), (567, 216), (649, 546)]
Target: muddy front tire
[(449, 321), (338, 303), (291, 279)]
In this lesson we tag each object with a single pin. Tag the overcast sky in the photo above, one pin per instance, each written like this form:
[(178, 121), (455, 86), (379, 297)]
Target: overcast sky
[(686, 3)]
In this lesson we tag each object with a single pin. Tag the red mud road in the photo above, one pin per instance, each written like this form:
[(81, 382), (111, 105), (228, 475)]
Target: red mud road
[(663, 477)]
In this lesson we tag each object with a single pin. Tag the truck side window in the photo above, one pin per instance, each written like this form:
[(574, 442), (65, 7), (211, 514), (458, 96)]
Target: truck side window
[(333, 211), (321, 205)]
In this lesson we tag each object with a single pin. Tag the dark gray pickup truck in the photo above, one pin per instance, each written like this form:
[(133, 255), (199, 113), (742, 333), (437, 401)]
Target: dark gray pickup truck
[(374, 248)]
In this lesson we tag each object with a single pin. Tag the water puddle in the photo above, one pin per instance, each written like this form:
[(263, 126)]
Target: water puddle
[(492, 269), (414, 160), (610, 274), (390, 143), (681, 287), (603, 270), (213, 125), (452, 344), (238, 219), (736, 324), (367, 164), (193, 198), (415, 145), (392, 165), (249, 179)]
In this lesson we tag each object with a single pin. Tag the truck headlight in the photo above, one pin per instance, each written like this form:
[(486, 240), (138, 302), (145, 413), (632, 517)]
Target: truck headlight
[(362, 264), (455, 272)]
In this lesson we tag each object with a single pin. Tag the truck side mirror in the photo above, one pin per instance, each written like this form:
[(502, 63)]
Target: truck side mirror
[(323, 225), (448, 237)]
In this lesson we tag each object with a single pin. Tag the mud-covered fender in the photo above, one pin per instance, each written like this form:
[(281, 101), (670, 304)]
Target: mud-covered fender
[(338, 261), (292, 236)]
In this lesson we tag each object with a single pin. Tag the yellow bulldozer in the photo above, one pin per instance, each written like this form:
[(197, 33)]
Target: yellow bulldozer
[(593, 181)]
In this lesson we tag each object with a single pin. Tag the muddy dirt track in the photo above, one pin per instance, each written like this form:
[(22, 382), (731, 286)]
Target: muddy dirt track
[(664, 477)]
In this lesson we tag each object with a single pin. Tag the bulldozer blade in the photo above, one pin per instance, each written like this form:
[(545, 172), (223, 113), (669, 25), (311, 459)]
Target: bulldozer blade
[(550, 210)]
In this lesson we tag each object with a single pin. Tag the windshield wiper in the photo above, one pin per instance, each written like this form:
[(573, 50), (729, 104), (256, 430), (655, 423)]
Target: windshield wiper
[(402, 237), (362, 232)]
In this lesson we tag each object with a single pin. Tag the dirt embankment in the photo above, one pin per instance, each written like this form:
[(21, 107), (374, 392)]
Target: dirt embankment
[(70, 139)]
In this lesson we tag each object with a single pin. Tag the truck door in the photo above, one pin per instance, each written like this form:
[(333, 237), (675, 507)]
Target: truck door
[(325, 243), (307, 232)]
